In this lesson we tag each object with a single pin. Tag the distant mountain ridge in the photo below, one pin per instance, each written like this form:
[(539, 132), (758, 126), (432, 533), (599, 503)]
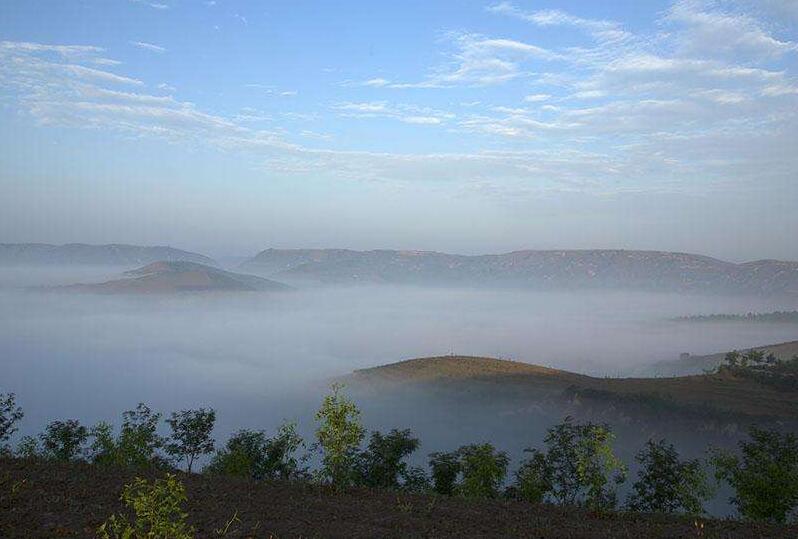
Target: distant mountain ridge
[(166, 277), (557, 269), (42, 254)]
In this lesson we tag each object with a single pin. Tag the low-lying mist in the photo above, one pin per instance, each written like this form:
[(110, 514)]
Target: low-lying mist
[(259, 358)]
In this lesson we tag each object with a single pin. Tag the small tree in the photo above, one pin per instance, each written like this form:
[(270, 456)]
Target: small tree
[(158, 512), (533, 480), (583, 465), (764, 477), (28, 448), (137, 444), (445, 469), (242, 456), (191, 435), (64, 440), (383, 464), (666, 484), (10, 414), (339, 435), (280, 459), (483, 469)]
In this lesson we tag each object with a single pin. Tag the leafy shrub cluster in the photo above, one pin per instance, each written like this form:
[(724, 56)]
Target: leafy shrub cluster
[(576, 466), (766, 369)]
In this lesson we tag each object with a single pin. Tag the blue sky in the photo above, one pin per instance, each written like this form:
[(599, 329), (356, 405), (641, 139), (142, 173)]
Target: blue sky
[(230, 126)]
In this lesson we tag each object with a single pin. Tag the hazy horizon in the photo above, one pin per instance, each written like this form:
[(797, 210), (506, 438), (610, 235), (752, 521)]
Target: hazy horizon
[(467, 127)]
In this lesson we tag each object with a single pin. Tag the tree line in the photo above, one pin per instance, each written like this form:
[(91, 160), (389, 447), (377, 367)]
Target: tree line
[(577, 465)]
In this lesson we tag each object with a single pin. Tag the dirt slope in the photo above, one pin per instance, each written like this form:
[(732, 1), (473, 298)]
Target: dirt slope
[(71, 500)]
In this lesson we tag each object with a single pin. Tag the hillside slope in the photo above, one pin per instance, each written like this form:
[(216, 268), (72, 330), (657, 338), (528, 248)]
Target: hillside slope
[(169, 277), (495, 380), (40, 254), (700, 364), (567, 269), (73, 499)]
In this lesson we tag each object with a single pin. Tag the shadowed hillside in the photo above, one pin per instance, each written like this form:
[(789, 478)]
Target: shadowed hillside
[(169, 277), (515, 383)]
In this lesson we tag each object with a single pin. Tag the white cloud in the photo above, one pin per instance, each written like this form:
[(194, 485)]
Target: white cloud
[(479, 61), (377, 83), (410, 114), (154, 5), (536, 98), (607, 31), (707, 30), (148, 46)]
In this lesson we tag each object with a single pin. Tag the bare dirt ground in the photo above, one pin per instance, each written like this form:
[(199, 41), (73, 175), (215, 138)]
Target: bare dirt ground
[(71, 500)]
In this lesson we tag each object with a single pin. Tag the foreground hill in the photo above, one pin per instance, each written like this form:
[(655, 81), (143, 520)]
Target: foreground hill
[(41, 499), (169, 277), (40, 254), (519, 384), (699, 364), (645, 270)]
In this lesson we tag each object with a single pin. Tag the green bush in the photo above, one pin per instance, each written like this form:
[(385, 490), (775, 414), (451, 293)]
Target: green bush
[(474, 471), (383, 464), (10, 414), (339, 436), (137, 444), (445, 468), (666, 484), (191, 435), (64, 440), (483, 470), (533, 480), (252, 454), (764, 476), (28, 448), (578, 467), (157, 508)]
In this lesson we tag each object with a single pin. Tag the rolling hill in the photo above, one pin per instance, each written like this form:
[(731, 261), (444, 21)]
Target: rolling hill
[(170, 277), (520, 384), (40, 254), (689, 364), (568, 269)]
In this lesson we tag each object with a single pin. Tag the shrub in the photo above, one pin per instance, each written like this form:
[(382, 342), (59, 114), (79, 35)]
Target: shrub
[(764, 477), (666, 484), (242, 456), (445, 469), (10, 414), (582, 465), (28, 448), (137, 444), (251, 454), (280, 460), (383, 464), (483, 469), (533, 480), (339, 436), (64, 440), (191, 435), (158, 512)]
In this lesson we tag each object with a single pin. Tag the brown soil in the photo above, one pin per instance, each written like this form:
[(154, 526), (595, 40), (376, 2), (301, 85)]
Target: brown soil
[(70, 500)]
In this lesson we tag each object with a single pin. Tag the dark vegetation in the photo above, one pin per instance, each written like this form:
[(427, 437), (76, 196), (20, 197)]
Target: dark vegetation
[(576, 471), (775, 316), (765, 369)]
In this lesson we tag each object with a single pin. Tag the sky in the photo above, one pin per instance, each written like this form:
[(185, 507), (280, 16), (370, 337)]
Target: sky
[(231, 126)]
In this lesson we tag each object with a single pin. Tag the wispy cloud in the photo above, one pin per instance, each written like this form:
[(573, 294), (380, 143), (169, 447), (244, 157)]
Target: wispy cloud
[(148, 46), (154, 5), (410, 114)]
